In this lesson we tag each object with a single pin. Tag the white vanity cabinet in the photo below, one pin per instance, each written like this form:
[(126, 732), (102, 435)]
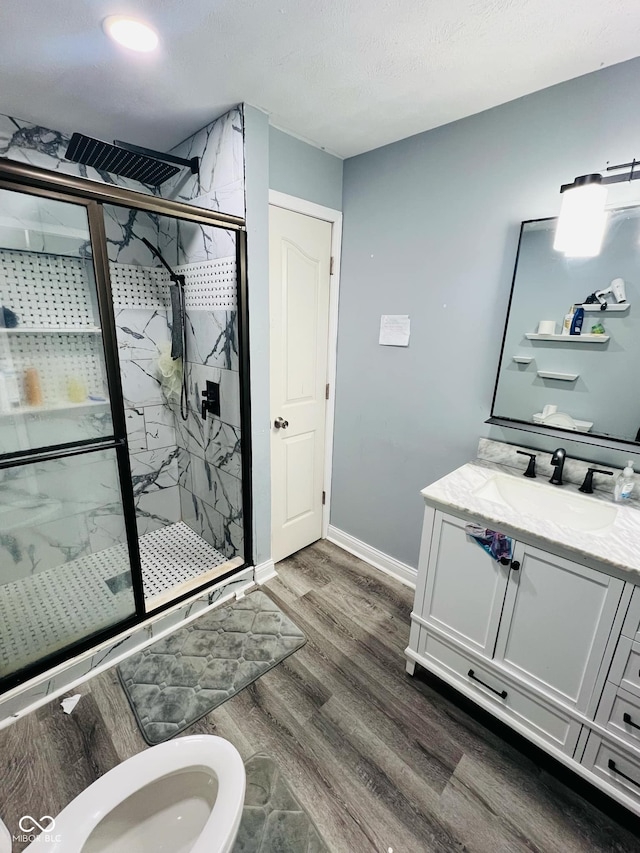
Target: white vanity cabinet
[(533, 642)]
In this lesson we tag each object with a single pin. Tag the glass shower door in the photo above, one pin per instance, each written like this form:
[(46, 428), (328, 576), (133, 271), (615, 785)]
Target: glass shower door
[(67, 573)]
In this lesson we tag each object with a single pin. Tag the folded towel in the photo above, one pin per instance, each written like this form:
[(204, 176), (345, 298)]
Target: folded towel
[(496, 544)]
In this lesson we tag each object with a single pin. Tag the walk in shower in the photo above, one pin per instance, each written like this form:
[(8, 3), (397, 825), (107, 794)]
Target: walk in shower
[(117, 498)]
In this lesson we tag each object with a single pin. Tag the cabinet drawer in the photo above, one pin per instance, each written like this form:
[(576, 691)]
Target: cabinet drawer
[(625, 669), (619, 712), (614, 765), (539, 717)]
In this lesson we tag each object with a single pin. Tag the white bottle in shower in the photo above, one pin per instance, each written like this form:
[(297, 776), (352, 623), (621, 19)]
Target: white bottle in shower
[(11, 384), (5, 405)]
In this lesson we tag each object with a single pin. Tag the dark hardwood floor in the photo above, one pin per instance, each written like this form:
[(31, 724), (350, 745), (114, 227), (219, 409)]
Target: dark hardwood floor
[(380, 760)]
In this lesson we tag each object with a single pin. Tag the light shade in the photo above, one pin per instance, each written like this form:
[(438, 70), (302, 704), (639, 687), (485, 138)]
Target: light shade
[(130, 33), (583, 219)]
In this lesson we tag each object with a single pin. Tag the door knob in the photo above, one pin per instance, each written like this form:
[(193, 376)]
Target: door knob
[(280, 423)]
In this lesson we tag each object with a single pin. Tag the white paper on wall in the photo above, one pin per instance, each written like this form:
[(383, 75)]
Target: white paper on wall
[(394, 330)]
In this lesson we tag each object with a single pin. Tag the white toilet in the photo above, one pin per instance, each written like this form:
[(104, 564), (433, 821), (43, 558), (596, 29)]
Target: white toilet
[(183, 796)]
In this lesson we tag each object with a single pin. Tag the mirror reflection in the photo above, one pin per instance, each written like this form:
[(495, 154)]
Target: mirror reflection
[(571, 349)]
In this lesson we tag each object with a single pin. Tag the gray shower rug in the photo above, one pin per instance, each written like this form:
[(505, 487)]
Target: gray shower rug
[(273, 821), (182, 677)]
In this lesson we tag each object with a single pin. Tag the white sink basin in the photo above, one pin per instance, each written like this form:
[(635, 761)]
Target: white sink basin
[(548, 503)]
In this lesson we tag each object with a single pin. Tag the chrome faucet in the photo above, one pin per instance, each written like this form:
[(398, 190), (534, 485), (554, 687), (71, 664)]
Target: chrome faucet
[(557, 460)]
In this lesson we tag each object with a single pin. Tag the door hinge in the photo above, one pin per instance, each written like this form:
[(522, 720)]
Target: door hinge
[(331, 265), (326, 391), (324, 498)]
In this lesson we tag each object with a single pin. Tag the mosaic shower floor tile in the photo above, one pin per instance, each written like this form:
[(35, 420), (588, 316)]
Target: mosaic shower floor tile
[(48, 610)]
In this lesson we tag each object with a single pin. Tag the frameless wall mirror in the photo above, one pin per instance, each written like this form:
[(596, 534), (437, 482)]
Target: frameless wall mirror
[(585, 383)]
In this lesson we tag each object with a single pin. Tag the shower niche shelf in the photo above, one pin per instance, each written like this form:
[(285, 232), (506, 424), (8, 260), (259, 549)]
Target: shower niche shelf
[(23, 411), (52, 330)]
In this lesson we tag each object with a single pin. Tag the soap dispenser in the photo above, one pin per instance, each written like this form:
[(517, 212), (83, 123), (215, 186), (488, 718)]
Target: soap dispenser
[(624, 483)]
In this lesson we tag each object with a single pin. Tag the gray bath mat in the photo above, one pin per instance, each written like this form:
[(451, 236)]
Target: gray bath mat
[(273, 821), (179, 679)]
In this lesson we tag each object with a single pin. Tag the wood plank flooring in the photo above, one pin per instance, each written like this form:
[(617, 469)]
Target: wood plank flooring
[(380, 760)]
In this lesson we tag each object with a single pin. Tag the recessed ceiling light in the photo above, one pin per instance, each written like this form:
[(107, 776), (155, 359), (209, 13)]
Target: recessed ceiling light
[(131, 33)]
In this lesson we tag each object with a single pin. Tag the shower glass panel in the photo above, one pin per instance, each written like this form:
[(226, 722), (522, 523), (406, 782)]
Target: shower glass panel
[(175, 292), (65, 572), (52, 367)]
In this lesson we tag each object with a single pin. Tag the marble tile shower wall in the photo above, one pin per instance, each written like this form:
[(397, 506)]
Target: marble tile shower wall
[(150, 420), (141, 302), (209, 455), (209, 452), (219, 185)]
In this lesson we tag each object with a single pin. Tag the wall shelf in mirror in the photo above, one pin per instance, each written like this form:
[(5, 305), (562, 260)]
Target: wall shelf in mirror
[(580, 426), (564, 377), (52, 330), (523, 359), (610, 309), (568, 339)]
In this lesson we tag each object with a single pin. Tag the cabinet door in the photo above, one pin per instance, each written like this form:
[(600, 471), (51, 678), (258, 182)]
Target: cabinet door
[(465, 587), (556, 622)]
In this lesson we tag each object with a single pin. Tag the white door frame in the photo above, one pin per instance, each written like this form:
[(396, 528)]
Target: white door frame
[(328, 214)]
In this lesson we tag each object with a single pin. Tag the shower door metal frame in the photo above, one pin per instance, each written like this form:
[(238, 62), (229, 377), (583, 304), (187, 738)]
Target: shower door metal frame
[(116, 442), (20, 177)]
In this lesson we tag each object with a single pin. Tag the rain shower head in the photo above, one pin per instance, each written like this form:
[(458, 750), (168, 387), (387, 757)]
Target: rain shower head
[(129, 161)]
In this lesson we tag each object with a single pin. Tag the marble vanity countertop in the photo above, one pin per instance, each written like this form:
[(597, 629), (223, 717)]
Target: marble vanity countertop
[(615, 550)]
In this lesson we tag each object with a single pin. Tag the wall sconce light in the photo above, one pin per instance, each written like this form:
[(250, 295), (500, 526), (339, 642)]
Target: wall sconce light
[(583, 219)]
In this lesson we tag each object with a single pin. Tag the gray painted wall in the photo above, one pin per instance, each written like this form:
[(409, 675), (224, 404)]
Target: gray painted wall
[(256, 156), (301, 170), (546, 285), (430, 229)]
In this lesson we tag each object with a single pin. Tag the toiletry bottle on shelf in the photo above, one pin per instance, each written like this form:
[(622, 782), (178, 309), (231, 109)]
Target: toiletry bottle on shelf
[(32, 387), (5, 405), (624, 483), (568, 319), (11, 382), (577, 321), (76, 390)]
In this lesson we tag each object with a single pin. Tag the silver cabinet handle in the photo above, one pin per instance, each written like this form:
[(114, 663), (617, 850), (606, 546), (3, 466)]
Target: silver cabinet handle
[(280, 423)]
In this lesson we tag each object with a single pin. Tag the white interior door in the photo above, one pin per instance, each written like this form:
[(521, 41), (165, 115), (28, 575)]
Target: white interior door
[(299, 284)]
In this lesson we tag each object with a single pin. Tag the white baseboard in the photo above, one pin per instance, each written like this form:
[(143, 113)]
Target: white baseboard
[(378, 559), (265, 572)]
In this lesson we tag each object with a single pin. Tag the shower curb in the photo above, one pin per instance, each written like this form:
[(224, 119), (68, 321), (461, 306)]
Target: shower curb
[(27, 697)]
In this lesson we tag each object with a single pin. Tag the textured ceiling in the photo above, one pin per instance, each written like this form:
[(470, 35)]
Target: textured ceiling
[(347, 75)]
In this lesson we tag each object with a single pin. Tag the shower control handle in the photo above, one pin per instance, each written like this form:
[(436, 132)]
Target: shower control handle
[(280, 423), (211, 400)]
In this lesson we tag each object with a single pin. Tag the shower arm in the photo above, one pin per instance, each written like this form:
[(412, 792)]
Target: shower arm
[(175, 278)]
